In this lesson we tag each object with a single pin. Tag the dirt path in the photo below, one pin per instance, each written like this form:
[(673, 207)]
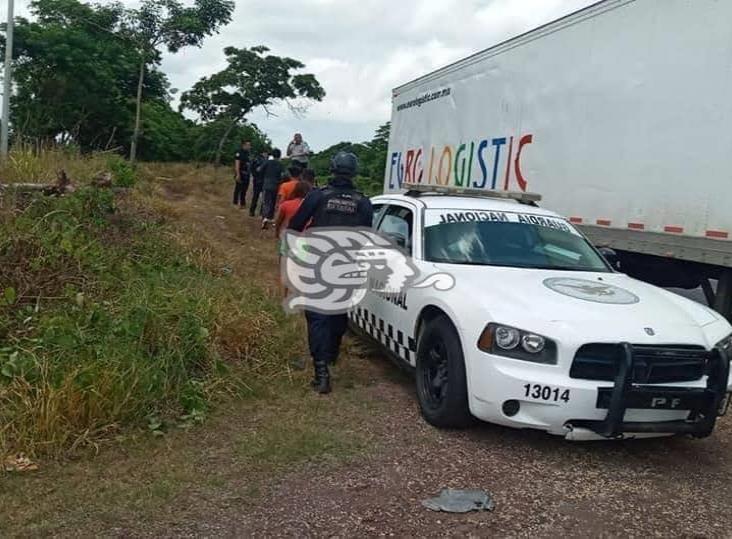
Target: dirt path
[(542, 485), (358, 462)]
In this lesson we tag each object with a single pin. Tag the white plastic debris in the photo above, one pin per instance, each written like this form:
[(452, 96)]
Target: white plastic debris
[(460, 501)]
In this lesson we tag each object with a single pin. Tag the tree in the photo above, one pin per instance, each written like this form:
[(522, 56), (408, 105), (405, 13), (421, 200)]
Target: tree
[(378, 149), (252, 79), (74, 74), (166, 135), (371, 156), (169, 24), (205, 138)]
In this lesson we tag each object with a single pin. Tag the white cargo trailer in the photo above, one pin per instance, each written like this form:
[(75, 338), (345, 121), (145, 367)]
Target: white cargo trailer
[(619, 115)]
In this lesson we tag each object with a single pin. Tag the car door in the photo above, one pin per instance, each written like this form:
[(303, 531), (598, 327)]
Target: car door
[(384, 315)]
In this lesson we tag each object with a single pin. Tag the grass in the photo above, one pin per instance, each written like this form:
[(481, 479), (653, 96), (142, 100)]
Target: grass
[(30, 164), (106, 323), (150, 481), (299, 436), (126, 334)]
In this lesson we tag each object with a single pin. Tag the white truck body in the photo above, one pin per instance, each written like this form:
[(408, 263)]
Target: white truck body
[(619, 115)]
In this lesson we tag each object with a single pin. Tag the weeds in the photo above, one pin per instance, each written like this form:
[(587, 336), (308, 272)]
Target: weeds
[(28, 163), (122, 171), (104, 323), (300, 435)]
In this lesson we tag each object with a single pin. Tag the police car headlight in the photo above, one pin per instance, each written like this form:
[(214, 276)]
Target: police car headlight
[(507, 338), (517, 344), (533, 344)]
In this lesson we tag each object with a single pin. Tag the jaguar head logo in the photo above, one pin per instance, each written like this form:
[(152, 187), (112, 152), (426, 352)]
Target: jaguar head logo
[(330, 270)]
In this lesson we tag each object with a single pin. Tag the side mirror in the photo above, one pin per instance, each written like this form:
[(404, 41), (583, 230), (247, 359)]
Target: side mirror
[(611, 257), (400, 240)]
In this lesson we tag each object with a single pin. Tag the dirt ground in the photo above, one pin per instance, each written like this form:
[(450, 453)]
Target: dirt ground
[(541, 485)]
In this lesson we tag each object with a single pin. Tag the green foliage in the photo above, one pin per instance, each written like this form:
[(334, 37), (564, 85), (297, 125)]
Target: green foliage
[(371, 157), (123, 174), (75, 74), (251, 79), (206, 139), (105, 323), (169, 23), (78, 65), (166, 134), (174, 25)]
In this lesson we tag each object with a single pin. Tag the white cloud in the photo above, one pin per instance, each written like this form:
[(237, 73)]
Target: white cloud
[(359, 50)]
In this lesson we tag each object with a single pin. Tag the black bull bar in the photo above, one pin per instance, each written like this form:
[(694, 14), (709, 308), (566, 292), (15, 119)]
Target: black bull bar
[(704, 404)]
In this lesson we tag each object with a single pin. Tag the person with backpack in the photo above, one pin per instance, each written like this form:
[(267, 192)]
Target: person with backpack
[(338, 204)]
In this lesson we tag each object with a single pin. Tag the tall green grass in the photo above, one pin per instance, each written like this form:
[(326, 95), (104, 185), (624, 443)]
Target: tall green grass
[(105, 322)]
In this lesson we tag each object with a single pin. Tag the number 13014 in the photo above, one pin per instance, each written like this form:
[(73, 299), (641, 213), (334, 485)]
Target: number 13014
[(546, 393)]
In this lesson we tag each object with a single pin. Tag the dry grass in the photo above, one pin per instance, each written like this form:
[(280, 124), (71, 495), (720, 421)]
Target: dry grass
[(29, 164), (114, 316), (143, 481)]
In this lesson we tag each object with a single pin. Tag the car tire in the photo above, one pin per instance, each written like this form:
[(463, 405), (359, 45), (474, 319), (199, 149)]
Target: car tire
[(442, 388)]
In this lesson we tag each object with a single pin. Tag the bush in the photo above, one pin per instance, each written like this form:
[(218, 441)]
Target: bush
[(123, 174), (104, 323)]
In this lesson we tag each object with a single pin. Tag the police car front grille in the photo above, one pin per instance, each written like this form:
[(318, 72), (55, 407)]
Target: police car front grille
[(651, 364)]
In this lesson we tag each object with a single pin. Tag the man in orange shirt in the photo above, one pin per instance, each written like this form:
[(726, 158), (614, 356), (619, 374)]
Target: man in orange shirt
[(286, 189)]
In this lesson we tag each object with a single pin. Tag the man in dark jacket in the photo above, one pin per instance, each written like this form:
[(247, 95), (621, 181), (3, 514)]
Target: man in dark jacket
[(337, 205), (257, 180), (271, 177), (242, 174)]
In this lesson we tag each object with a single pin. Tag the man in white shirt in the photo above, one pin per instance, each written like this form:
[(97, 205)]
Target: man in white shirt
[(299, 151)]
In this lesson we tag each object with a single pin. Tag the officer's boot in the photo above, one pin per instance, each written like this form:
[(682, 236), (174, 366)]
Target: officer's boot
[(321, 383)]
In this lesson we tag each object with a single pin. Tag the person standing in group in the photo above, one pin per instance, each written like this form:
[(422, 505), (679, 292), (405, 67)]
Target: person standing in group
[(272, 173), (337, 205), (286, 189), (298, 151), (242, 174), (308, 175), (257, 180), (287, 209)]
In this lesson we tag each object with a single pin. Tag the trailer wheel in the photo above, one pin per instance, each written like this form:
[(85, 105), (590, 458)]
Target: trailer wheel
[(441, 385)]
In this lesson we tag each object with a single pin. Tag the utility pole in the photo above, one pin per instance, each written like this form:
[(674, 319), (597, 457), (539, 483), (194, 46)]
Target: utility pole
[(7, 83)]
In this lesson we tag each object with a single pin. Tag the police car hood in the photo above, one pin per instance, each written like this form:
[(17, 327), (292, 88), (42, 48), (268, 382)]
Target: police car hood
[(591, 303)]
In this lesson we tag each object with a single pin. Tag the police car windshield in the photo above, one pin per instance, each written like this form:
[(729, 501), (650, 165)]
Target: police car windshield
[(486, 238)]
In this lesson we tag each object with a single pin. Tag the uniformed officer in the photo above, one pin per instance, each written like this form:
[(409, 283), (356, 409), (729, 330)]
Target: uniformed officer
[(257, 180), (337, 205), (242, 174)]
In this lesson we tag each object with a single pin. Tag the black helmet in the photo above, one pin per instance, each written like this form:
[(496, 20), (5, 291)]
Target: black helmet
[(344, 164)]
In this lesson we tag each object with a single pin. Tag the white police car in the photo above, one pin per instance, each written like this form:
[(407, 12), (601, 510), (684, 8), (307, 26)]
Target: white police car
[(539, 331)]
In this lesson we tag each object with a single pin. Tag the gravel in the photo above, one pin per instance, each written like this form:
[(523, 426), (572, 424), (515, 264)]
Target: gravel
[(541, 485)]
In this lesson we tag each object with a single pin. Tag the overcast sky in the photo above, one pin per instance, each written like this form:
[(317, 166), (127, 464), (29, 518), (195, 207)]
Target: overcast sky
[(358, 49)]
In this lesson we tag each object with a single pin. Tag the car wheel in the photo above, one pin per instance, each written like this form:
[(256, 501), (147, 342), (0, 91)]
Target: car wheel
[(441, 385)]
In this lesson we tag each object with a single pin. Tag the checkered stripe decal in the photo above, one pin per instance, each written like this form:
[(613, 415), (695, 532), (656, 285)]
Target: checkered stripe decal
[(385, 333)]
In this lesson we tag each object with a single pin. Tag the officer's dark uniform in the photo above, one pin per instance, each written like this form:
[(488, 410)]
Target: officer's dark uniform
[(242, 182), (337, 205), (257, 181)]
